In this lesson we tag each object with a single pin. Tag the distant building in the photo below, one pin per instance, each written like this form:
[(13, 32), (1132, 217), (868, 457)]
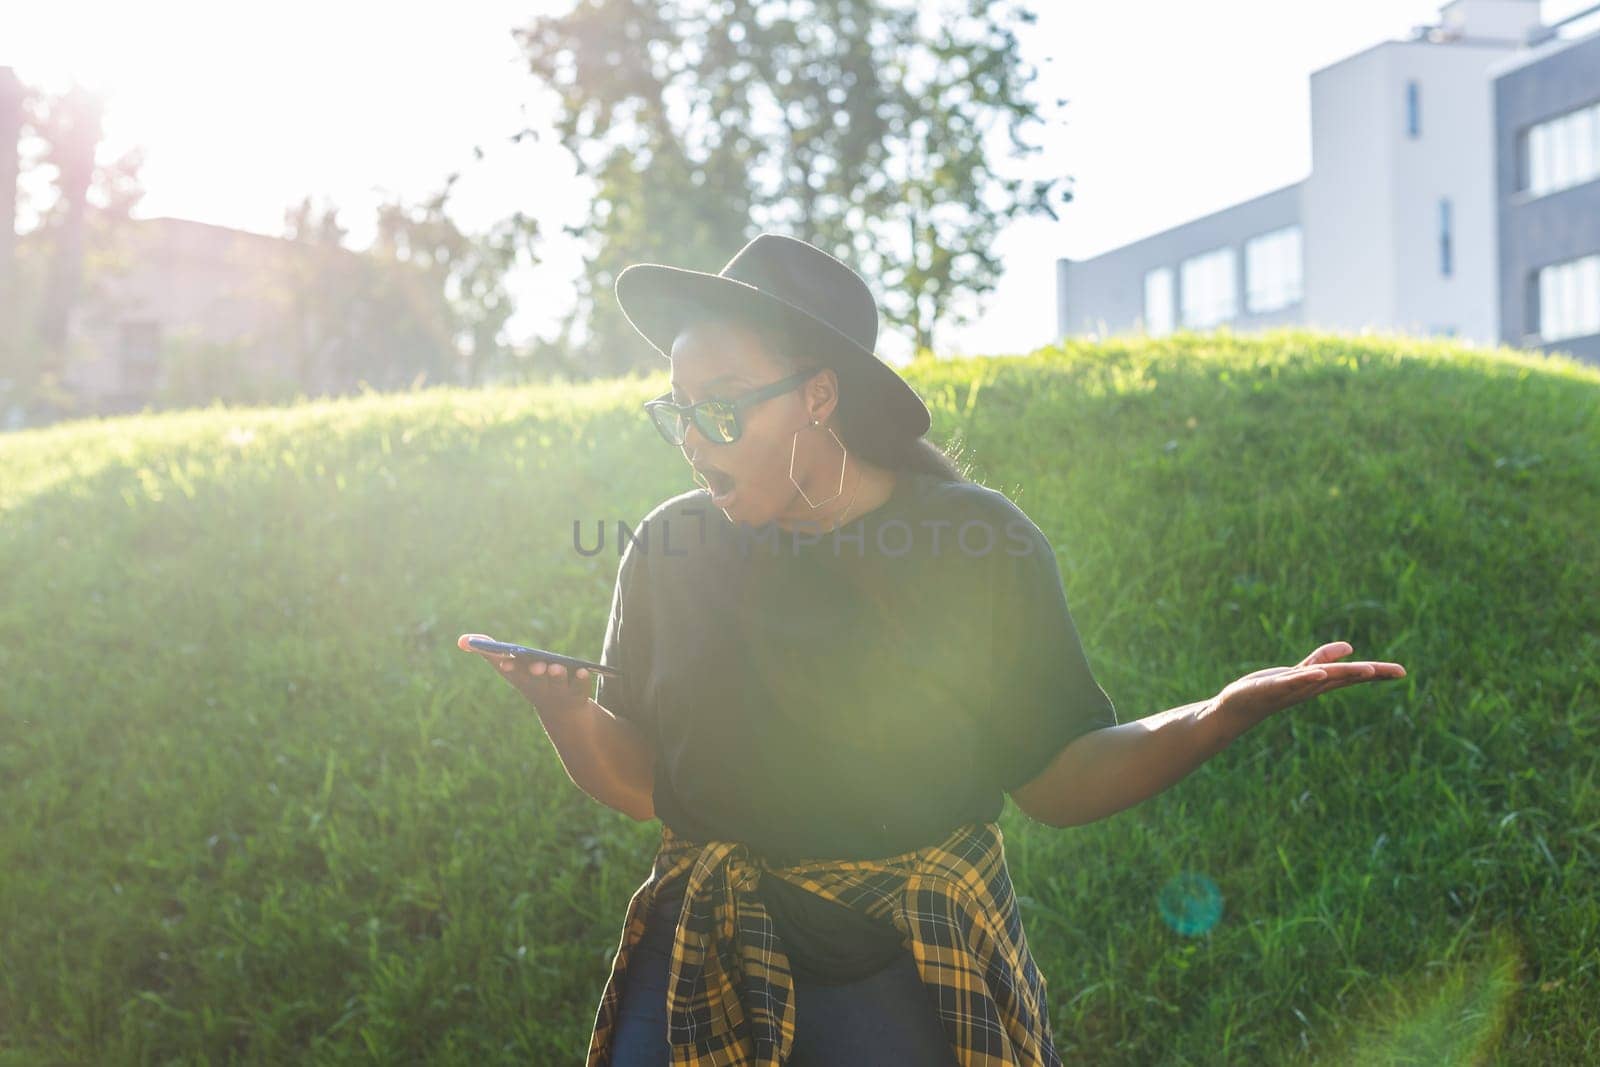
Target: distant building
[(181, 279), (1547, 185), (1422, 213), (177, 312)]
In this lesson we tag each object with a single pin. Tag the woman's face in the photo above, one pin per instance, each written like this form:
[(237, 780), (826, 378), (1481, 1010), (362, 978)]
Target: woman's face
[(750, 476)]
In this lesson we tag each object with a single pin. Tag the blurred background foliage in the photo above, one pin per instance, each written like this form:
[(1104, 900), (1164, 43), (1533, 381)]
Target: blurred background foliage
[(883, 131)]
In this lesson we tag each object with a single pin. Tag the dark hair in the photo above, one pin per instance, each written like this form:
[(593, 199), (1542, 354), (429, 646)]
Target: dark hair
[(859, 431)]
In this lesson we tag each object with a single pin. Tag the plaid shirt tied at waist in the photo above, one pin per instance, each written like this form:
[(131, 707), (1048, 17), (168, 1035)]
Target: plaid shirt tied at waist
[(730, 996)]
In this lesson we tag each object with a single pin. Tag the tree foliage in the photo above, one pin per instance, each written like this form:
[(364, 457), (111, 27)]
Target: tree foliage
[(78, 232), (866, 127), (426, 302), (469, 270)]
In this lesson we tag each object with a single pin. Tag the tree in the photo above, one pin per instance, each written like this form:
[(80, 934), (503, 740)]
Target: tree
[(72, 128), (12, 96), (316, 286), (956, 203), (79, 246), (349, 316), (425, 301), (470, 272), (861, 126)]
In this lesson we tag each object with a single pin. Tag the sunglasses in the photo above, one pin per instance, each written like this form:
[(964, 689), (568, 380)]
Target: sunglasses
[(717, 420)]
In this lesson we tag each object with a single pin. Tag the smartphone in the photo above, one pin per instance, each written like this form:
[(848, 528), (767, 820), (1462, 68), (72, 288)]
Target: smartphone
[(524, 652)]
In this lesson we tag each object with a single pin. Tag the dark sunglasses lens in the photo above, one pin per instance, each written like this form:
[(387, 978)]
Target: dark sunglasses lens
[(671, 425), (719, 422)]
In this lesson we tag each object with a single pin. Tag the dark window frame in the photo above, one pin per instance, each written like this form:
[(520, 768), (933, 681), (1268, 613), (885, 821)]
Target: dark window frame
[(139, 344), (1446, 238)]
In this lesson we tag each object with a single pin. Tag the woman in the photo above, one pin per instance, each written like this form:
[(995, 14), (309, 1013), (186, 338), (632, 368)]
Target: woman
[(832, 675)]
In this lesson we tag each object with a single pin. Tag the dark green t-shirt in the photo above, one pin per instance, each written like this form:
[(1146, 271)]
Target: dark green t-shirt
[(845, 695)]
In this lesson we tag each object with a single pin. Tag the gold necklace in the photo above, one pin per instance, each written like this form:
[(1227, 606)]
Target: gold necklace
[(852, 502)]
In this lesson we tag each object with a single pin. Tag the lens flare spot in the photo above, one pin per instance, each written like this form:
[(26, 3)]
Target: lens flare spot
[(1451, 1012), (1190, 903)]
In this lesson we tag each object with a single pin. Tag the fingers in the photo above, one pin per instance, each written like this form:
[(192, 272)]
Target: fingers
[(1364, 670), (511, 666), (1327, 675), (558, 671), (554, 672), (1330, 651), (461, 643), (1333, 650), (1338, 675)]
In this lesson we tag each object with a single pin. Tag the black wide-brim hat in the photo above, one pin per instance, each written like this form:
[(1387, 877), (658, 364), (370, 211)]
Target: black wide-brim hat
[(807, 292)]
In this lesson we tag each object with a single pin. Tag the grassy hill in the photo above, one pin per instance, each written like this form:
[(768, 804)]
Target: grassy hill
[(258, 805)]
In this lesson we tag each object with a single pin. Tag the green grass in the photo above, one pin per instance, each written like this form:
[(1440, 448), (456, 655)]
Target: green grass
[(258, 807)]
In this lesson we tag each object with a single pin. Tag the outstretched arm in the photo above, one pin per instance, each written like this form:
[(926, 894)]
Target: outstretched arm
[(605, 756), (1116, 767)]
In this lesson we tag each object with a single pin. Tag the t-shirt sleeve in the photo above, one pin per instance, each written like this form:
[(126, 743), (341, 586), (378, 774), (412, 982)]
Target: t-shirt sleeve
[(627, 643), (1044, 694)]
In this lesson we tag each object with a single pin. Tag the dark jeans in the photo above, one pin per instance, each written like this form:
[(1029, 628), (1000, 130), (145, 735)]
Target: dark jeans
[(887, 1017)]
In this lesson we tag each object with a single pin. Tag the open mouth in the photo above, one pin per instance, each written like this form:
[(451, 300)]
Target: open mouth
[(721, 482)]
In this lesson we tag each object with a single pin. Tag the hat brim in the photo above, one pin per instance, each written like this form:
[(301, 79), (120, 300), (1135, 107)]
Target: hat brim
[(659, 301)]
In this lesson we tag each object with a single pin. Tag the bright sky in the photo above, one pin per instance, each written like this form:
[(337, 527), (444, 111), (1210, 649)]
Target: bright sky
[(1174, 109)]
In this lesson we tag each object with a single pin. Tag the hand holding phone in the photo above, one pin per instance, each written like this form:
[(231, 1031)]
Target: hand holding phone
[(549, 680), (480, 643)]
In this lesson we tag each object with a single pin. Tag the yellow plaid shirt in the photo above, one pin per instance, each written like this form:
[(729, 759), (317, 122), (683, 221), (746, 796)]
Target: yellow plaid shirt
[(730, 998)]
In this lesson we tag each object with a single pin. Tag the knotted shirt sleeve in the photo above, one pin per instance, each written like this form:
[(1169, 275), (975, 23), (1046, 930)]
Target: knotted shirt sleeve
[(1044, 694)]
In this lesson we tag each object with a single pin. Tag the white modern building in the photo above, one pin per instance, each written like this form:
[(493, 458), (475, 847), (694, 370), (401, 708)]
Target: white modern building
[(1547, 124), (1400, 223)]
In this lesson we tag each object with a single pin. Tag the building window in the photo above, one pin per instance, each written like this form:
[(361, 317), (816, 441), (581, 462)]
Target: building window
[(1272, 270), (1158, 301), (1562, 151), (1446, 255), (139, 345), (1209, 289), (1569, 299), (1413, 110)]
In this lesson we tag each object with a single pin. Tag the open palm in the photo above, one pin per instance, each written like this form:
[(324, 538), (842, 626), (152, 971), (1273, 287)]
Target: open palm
[(1252, 698)]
